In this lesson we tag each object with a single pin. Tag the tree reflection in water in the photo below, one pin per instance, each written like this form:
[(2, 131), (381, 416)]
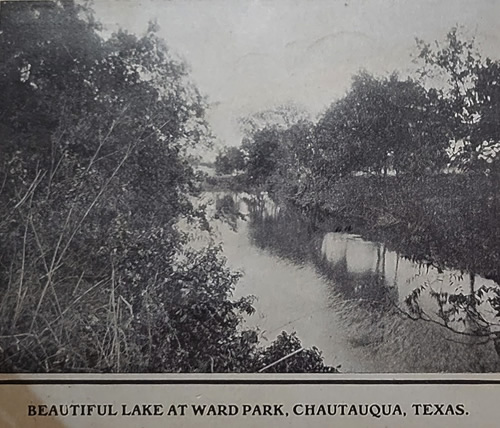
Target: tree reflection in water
[(381, 282)]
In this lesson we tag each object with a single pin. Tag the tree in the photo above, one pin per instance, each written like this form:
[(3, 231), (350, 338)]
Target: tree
[(262, 151), (229, 160), (266, 141), (381, 125), (468, 83), (417, 137), (486, 133), (350, 134)]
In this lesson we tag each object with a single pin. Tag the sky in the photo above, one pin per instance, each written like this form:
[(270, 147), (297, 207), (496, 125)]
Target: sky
[(253, 55)]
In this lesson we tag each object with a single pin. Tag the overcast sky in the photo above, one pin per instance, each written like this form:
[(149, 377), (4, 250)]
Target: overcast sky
[(250, 55)]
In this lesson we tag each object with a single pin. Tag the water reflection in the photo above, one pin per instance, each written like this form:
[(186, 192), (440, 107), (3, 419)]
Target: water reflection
[(369, 288), (368, 271), (357, 267)]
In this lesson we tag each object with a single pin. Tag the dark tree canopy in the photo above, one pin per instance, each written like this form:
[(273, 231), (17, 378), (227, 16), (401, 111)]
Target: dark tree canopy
[(229, 160), (384, 124)]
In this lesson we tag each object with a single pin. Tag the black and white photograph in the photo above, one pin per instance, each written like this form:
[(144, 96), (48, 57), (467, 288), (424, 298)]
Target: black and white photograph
[(249, 186)]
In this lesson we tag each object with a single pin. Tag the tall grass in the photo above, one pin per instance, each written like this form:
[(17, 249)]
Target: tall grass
[(398, 344)]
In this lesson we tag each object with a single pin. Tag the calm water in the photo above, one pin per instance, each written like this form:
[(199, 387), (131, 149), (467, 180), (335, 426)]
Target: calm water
[(350, 297)]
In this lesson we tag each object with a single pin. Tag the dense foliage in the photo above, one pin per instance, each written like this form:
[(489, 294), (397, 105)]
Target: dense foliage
[(384, 125), (95, 274), (229, 160)]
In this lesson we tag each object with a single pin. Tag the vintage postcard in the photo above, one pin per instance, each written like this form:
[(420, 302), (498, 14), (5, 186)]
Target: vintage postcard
[(249, 212)]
